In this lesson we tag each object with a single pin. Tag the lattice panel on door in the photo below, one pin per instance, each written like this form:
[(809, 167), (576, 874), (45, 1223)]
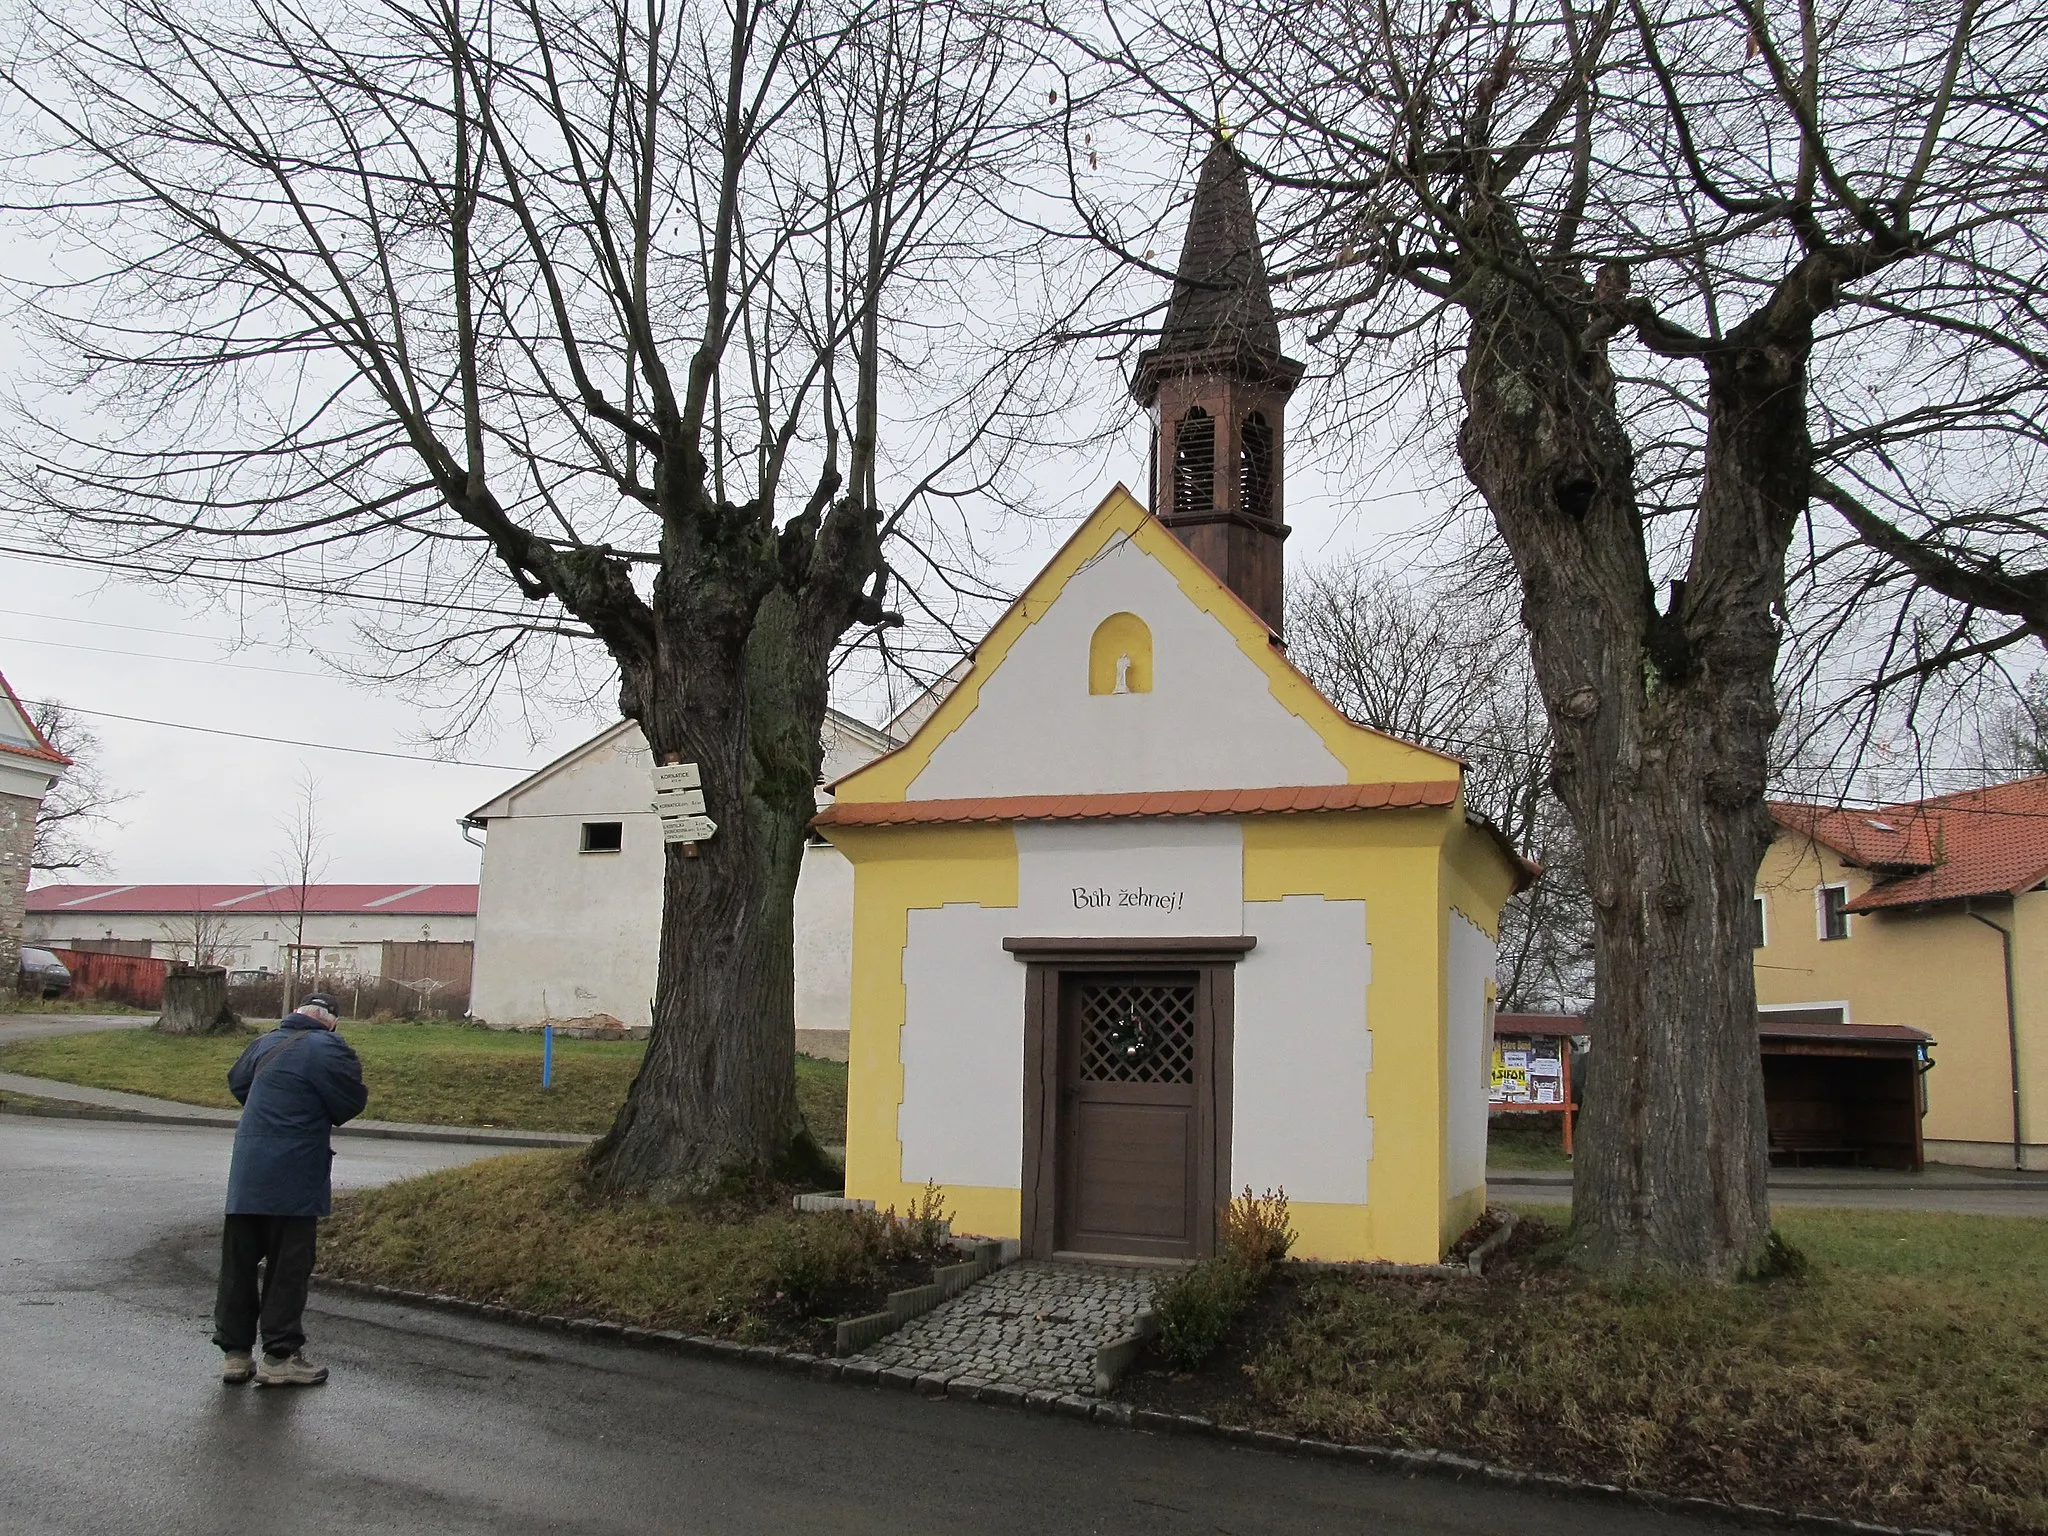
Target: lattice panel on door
[(1137, 1032)]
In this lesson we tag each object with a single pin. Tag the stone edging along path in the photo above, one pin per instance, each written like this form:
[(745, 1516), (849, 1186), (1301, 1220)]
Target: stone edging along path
[(857, 1372)]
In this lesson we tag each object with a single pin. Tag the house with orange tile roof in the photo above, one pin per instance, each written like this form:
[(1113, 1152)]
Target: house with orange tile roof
[(29, 769), (1932, 914), (1139, 917)]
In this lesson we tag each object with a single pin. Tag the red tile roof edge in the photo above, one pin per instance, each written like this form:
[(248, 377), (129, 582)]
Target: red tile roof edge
[(42, 752), (1987, 841), (361, 898), (1287, 799)]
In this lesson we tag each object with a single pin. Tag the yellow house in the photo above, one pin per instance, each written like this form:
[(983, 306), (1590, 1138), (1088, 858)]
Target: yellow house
[(1931, 914)]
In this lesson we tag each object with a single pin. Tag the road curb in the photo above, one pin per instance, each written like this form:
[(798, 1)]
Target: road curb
[(865, 1373), (463, 1135)]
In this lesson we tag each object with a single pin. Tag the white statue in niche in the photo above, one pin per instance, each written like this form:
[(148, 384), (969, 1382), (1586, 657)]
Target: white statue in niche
[(1123, 675)]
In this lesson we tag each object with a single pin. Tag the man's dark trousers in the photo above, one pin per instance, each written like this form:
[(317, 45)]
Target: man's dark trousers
[(283, 1246)]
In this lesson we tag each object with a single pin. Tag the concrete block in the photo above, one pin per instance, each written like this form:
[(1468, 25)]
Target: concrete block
[(813, 1204), (955, 1278), (914, 1302), (857, 1333)]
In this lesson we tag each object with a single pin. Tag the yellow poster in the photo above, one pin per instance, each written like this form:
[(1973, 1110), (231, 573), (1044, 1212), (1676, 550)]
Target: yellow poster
[(1510, 1076)]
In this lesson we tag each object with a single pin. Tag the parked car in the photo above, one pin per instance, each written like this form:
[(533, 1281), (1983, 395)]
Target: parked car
[(43, 974), (250, 978)]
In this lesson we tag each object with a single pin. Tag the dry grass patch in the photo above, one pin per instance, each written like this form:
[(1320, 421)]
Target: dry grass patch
[(1903, 1378), (522, 1231), (432, 1074), (1526, 1141)]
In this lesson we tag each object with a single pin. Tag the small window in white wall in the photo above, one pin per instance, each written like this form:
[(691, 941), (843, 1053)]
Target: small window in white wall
[(603, 836), (1759, 922), (1834, 915)]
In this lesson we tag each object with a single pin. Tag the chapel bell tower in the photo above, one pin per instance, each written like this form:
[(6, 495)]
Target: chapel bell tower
[(1217, 386)]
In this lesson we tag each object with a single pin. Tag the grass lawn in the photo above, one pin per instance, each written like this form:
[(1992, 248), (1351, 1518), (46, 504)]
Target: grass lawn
[(1527, 1141), (1903, 1378), (522, 1232), (436, 1074)]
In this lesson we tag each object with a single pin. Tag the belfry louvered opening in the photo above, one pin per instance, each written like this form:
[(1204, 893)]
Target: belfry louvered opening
[(1194, 462), (1255, 465)]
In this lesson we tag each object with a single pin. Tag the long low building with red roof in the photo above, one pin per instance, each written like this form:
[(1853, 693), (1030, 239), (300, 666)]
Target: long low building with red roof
[(337, 929), (1931, 914)]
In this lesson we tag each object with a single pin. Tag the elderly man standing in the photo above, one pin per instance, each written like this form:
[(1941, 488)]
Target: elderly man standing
[(295, 1085)]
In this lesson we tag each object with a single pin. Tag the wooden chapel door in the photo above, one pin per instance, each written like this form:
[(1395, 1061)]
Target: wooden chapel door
[(1133, 1057)]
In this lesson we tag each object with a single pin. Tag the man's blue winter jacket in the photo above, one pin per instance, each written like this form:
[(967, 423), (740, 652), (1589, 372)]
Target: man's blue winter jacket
[(295, 1085)]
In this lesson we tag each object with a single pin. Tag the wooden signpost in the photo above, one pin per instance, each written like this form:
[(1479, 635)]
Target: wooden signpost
[(679, 802)]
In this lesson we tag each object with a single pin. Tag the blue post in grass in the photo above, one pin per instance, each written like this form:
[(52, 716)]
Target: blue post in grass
[(547, 1055)]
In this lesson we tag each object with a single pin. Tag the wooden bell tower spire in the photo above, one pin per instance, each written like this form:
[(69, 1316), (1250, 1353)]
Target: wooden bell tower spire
[(1217, 386)]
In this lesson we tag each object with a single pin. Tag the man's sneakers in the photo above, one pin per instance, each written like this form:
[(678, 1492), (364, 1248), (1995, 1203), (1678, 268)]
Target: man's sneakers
[(236, 1366), (293, 1370)]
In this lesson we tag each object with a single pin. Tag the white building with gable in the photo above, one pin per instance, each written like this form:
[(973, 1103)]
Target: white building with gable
[(569, 909)]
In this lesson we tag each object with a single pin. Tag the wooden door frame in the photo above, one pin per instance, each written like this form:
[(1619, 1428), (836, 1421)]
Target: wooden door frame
[(1047, 961)]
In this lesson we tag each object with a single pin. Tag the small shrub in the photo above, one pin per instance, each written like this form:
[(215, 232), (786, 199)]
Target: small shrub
[(1197, 1306), (1256, 1228), (888, 1238), (1779, 1261), (819, 1256), (929, 1218)]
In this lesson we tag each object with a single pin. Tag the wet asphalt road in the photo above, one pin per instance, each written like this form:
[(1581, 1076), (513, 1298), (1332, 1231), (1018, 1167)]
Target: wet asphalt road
[(114, 1420)]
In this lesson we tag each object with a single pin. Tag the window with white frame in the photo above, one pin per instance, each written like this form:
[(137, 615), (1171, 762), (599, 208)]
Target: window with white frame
[(1834, 911), (1759, 922)]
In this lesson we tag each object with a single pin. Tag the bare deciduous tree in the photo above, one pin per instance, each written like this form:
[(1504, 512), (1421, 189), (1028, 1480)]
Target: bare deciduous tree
[(80, 805), (1679, 273), (302, 861), (203, 936), (666, 326), (1433, 662)]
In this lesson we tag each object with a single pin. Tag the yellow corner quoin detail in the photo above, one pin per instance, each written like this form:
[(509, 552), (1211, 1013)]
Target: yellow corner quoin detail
[(1120, 656), (901, 870)]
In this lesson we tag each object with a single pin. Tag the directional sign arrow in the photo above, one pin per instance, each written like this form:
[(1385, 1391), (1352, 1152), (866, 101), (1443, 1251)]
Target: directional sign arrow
[(687, 829)]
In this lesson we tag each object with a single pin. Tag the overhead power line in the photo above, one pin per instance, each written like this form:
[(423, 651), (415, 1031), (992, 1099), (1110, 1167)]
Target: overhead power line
[(310, 586), (198, 661), (282, 741)]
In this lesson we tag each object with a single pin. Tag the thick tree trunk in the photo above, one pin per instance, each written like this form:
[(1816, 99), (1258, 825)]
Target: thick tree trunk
[(196, 1001), (714, 1105), (1662, 721)]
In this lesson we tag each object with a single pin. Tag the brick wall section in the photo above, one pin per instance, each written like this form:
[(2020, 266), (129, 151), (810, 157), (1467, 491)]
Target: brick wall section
[(17, 838)]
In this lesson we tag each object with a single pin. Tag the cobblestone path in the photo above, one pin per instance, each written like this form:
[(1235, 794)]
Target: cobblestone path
[(1034, 1325)]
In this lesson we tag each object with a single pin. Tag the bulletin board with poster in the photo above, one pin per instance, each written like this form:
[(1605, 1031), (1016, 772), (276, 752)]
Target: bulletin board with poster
[(1532, 1068)]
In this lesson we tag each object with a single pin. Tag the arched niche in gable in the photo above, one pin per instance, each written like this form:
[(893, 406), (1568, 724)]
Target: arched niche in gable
[(1120, 655)]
